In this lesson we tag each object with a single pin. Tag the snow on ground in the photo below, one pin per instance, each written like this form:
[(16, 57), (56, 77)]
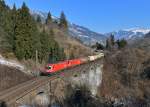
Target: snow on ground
[(136, 30), (11, 63)]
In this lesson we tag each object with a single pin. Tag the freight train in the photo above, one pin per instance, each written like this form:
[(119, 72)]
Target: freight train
[(53, 68)]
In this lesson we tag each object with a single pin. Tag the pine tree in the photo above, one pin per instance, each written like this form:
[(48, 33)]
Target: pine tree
[(13, 17), (110, 42), (112, 39), (63, 22), (56, 52), (99, 46), (19, 33), (25, 34), (6, 23), (48, 47), (4, 43), (44, 40), (49, 18), (4, 14), (121, 43), (2, 4)]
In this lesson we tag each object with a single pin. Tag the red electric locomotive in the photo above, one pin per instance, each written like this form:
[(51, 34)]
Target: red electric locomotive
[(52, 68)]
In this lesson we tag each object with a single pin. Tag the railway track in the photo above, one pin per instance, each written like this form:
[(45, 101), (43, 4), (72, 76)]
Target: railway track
[(11, 95)]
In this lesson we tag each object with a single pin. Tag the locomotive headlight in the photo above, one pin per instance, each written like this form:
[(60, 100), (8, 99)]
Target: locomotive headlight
[(49, 67)]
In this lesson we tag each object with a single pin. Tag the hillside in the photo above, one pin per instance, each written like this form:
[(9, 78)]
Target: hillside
[(11, 76), (143, 43), (72, 45), (12, 73), (87, 36), (24, 33), (128, 72)]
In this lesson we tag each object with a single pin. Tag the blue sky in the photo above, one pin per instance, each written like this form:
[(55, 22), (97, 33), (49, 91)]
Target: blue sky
[(98, 15)]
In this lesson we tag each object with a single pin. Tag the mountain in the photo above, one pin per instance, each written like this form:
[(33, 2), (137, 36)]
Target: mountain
[(129, 34), (142, 43), (90, 37), (71, 46), (43, 15), (84, 34)]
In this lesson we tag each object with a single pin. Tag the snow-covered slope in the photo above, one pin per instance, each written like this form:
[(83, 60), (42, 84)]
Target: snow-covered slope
[(11, 63), (130, 34), (86, 35)]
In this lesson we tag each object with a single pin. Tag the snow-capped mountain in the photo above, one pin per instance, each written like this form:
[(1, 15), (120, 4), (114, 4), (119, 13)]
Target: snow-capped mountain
[(36, 13), (86, 35), (43, 15), (129, 34)]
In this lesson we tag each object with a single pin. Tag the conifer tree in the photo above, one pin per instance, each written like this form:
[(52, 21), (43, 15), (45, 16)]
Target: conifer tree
[(2, 4), (56, 52), (63, 21), (19, 33), (49, 18), (13, 18), (25, 34), (112, 39), (121, 43), (99, 46), (110, 42), (6, 23), (44, 45)]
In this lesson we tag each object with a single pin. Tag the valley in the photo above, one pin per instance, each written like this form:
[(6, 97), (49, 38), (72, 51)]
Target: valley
[(48, 59)]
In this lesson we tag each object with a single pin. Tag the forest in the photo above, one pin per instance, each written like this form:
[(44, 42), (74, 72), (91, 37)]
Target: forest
[(24, 37)]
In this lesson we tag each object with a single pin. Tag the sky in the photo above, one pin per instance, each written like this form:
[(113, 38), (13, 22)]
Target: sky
[(98, 15)]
